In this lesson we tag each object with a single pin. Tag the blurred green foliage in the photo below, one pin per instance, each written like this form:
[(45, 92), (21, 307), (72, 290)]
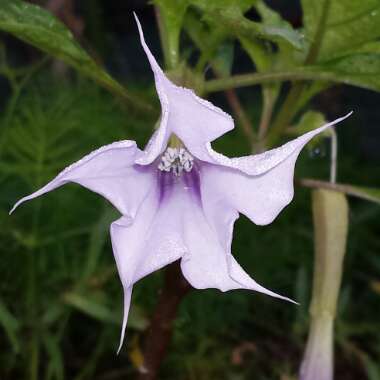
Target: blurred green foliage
[(60, 296)]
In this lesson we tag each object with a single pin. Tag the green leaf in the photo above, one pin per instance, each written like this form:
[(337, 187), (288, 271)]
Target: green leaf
[(98, 235), (206, 38), (91, 306), (10, 325), (230, 14), (349, 24), (348, 49), (258, 53), (224, 59), (275, 25), (243, 5), (371, 366), (361, 68), (55, 365), (41, 29), (172, 13)]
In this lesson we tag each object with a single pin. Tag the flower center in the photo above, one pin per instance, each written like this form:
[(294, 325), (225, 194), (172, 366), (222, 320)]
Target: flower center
[(176, 160)]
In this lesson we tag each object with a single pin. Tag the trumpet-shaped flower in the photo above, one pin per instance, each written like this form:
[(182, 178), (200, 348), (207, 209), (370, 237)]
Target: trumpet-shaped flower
[(182, 202)]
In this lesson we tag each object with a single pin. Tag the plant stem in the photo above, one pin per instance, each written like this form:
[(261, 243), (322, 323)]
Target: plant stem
[(368, 194), (269, 96), (288, 109), (268, 104), (17, 88), (244, 80), (162, 323), (163, 36), (286, 114), (240, 114), (34, 358)]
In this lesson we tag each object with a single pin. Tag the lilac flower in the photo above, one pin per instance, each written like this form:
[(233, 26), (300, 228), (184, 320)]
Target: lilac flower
[(181, 202)]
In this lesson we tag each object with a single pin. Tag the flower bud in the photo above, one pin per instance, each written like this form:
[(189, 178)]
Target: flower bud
[(330, 215)]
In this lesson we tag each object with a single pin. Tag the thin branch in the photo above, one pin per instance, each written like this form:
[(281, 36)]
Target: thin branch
[(343, 188), (268, 104), (161, 327), (240, 114)]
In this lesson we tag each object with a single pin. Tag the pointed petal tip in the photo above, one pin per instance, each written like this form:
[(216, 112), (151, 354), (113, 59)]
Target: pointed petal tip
[(136, 18), (141, 32), (21, 201), (346, 116), (127, 302), (292, 301), (121, 340), (152, 60), (343, 117), (284, 298), (336, 121), (139, 27), (14, 207)]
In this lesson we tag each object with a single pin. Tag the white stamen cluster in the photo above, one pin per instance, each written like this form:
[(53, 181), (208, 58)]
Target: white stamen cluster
[(176, 160)]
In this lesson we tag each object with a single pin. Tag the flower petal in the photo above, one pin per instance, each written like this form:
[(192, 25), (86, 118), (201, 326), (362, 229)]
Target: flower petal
[(110, 172), (147, 242), (261, 163), (194, 120), (257, 186), (208, 262)]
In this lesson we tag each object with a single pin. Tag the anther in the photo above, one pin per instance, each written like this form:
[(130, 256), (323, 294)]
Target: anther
[(176, 160)]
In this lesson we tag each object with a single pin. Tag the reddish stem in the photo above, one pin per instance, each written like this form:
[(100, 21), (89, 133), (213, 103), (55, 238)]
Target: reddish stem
[(161, 327), (240, 114)]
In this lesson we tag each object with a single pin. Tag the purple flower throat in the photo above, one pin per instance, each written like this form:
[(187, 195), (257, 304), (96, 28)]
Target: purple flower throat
[(177, 170)]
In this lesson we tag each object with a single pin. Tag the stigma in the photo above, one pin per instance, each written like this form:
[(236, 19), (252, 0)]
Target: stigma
[(176, 160)]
